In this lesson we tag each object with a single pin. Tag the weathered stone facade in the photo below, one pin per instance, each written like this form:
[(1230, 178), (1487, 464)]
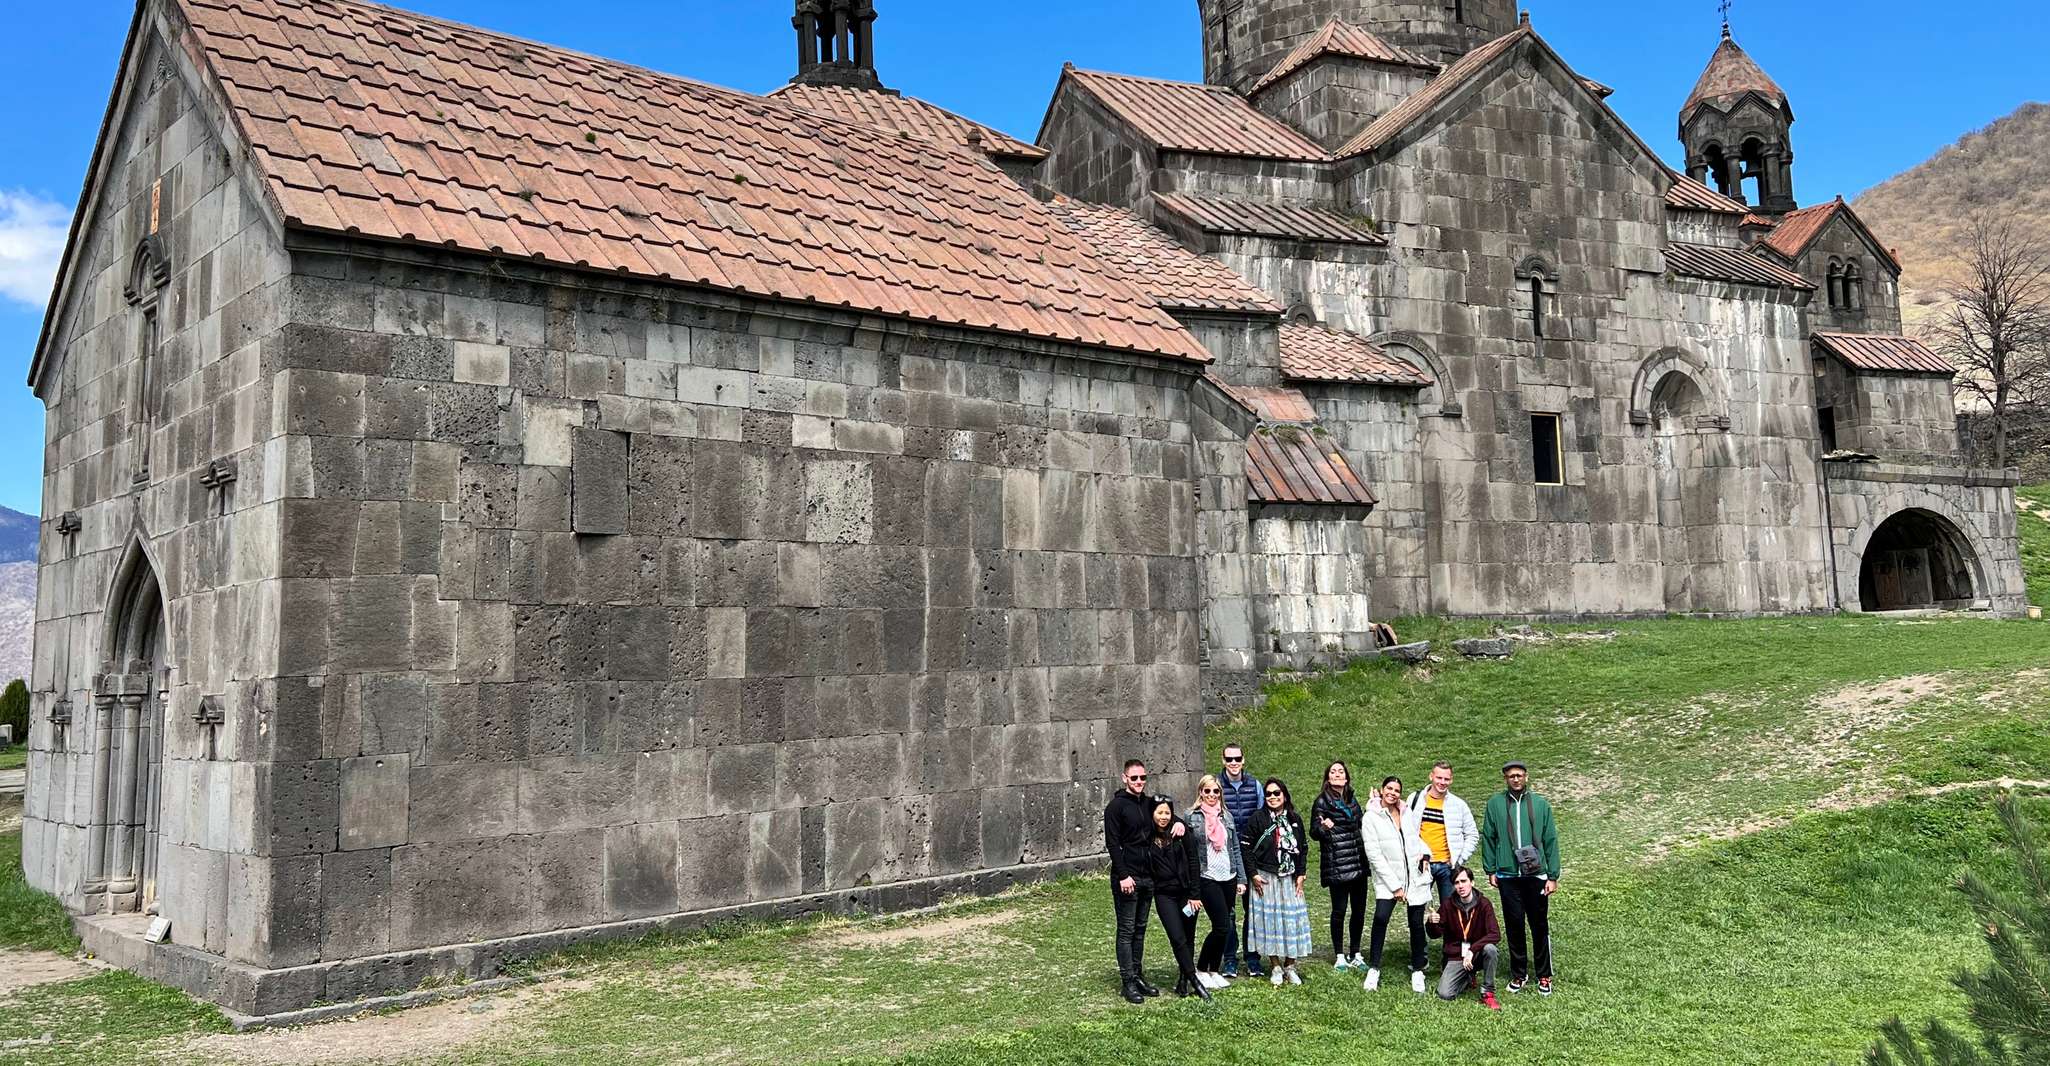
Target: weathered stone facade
[(409, 604)]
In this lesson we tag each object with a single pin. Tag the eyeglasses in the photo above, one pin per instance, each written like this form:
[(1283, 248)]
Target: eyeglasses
[(1135, 777), (1212, 791)]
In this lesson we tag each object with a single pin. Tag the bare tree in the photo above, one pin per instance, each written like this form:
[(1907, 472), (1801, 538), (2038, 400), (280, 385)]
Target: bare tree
[(1998, 329)]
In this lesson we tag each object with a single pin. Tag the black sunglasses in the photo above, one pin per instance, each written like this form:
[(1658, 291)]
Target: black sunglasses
[(1274, 792), (1234, 758), (1135, 777)]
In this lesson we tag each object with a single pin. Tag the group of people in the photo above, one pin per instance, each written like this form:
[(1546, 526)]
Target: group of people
[(1241, 838)]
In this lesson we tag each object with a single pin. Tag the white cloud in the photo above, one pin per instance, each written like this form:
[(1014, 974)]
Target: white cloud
[(32, 232)]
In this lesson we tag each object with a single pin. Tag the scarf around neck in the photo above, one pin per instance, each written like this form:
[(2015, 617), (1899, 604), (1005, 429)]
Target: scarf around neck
[(1213, 823)]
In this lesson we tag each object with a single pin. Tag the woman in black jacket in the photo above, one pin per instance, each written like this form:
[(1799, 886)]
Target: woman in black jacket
[(1342, 865), (1172, 864), (1280, 924)]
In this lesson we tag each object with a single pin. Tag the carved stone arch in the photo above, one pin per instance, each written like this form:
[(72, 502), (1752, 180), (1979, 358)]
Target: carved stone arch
[(1666, 362), (1441, 397), (1924, 505), (1300, 313), (130, 697), (1536, 265), (135, 606), (149, 270)]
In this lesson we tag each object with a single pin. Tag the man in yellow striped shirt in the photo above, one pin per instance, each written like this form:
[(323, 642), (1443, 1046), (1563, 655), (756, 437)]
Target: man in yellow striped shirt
[(1448, 827)]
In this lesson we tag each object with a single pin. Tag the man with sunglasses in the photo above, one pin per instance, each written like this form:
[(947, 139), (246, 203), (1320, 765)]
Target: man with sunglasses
[(1127, 827), (1242, 798)]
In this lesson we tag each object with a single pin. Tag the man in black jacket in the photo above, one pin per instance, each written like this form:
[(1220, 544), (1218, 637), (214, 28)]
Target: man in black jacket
[(1127, 826)]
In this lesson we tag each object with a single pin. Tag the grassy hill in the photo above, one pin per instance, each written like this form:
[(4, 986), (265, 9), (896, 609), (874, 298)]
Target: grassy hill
[(1760, 822), (1920, 212), (2034, 522)]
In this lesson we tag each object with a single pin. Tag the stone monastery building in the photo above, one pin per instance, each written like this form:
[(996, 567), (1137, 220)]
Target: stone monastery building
[(496, 496)]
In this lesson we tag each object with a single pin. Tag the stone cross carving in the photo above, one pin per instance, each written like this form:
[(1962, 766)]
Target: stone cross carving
[(211, 716), (60, 720), (67, 527), (217, 477)]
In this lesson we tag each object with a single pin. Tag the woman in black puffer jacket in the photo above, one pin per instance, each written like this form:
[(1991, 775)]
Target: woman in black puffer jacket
[(1342, 861)]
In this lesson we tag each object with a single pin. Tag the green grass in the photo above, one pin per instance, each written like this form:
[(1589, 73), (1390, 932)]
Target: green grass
[(1756, 872), (28, 918), (14, 758), (2035, 535)]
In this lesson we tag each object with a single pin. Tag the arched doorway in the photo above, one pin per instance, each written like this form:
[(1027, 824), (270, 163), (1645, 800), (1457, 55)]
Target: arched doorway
[(128, 739), (1917, 559)]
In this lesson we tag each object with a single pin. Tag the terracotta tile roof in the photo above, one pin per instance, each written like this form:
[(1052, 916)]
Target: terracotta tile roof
[(1174, 276), (1798, 229), (1254, 218), (371, 121), (1690, 195), (1884, 353), (1732, 264), (894, 111), (1731, 73), (1289, 457), (1315, 353), (1340, 38), (1388, 126), (1597, 88), (1754, 219), (1203, 119)]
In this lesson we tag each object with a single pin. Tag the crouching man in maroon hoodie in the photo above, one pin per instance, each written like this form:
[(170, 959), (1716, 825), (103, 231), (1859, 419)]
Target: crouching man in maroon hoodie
[(1473, 939)]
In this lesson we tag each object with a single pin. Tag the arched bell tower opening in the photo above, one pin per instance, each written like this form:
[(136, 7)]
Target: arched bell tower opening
[(1917, 559), (130, 696)]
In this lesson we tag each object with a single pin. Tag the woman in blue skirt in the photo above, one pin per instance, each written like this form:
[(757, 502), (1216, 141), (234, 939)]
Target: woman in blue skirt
[(1280, 923)]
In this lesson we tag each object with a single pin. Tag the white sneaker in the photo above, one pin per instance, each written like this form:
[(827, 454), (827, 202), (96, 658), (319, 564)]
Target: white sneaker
[(1341, 963), (1359, 961), (1416, 982), (1277, 975), (1373, 980), (1210, 981), (1294, 978)]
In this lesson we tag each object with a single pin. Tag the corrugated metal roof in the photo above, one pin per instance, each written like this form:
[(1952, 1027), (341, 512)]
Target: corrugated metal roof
[(1690, 195), (1205, 119), (1884, 353), (1341, 38), (1732, 264), (892, 111), (1173, 275), (372, 121), (1253, 218), (1315, 353), (1290, 458)]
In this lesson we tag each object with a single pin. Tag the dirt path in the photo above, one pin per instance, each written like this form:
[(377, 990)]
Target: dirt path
[(27, 969), (400, 1036)]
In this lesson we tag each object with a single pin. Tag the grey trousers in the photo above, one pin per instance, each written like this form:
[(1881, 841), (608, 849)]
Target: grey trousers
[(1457, 978)]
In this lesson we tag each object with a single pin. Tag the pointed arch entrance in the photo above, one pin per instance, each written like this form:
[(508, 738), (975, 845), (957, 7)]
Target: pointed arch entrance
[(128, 741)]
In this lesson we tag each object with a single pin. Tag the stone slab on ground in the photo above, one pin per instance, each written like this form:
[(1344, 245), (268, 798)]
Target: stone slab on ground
[(1485, 647)]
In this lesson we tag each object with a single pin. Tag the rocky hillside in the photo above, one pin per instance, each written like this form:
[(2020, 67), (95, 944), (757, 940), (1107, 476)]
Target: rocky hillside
[(2004, 167), (17, 591)]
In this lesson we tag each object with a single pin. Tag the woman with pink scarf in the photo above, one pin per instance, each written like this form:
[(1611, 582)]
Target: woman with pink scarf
[(1222, 877)]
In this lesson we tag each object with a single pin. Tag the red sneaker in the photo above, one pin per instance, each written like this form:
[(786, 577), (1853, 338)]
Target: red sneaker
[(1488, 1001)]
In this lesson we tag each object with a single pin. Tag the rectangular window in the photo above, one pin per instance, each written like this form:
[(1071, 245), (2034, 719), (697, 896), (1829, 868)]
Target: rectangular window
[(1825, 418), (1546, 467), (1537, 307)]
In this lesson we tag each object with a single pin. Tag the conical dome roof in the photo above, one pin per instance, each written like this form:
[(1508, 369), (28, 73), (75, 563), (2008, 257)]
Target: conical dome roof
[(1731, 73)]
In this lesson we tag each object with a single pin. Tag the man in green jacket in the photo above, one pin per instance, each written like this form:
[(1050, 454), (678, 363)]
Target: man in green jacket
[(1520, 848)]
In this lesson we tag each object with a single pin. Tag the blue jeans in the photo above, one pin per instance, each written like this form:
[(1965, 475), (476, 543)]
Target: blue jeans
[(1441, 875)]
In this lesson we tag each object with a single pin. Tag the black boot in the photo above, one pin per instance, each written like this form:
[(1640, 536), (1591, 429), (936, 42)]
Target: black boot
[(1201, 992), (1131, 992), (1181, 988), (1144, 988)]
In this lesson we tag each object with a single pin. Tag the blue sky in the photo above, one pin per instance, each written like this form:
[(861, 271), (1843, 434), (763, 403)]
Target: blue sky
[(1877, 87)]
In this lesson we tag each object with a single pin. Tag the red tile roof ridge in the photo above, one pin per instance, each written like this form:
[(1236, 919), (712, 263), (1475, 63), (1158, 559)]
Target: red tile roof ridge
[(997, 142), (1339, 37), (796, 205)]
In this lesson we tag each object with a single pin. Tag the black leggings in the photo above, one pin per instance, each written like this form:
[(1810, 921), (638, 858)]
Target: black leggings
[(1383, 909), (1218, 899), (1345, 894), (1180, 931)]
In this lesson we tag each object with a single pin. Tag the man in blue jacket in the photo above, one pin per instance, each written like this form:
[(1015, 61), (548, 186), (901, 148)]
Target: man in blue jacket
[(1241, 797)]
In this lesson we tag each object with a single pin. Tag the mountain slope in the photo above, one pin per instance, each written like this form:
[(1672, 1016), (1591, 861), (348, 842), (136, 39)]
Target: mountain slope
[(17, 591), (2004, 167)]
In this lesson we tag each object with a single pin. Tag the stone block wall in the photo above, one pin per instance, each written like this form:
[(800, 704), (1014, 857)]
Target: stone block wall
[(1877, 309), (197, 403), (1336, 97), (1975, 508), (1902, 418), (1311, 584), (607, 604)]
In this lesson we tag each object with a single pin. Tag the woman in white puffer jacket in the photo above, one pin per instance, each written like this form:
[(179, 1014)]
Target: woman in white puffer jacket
[(1401, 864)]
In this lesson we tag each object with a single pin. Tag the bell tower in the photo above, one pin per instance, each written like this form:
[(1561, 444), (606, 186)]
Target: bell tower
[(1244, 39), (836, 43), (1737, 127)]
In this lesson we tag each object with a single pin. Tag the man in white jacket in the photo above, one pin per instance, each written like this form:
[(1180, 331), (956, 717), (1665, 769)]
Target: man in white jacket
[(1448, 827)]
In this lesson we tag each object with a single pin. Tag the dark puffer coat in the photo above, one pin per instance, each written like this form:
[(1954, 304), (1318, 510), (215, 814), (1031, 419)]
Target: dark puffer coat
[(1341, 850)]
